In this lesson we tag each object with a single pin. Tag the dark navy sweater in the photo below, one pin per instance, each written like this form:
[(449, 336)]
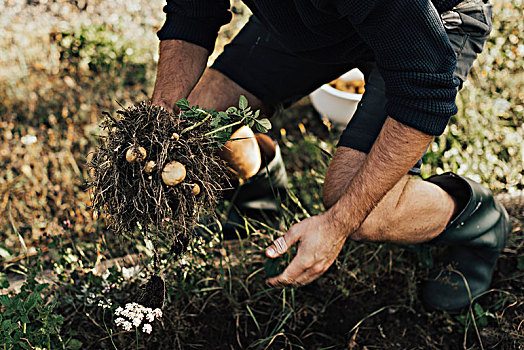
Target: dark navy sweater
[(411, 48)]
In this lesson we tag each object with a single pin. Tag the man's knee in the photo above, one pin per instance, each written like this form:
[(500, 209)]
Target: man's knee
[(414, 211), (379, 227), (388, 219)]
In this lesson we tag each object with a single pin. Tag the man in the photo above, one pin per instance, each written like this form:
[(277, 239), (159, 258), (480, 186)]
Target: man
[(415, 55)]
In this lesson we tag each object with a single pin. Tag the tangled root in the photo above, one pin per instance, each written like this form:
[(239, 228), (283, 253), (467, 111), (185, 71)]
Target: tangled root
[(126, 172)]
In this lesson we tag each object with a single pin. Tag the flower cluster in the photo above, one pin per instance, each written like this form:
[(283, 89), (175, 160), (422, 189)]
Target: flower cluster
[(133, 314), (106, 286), (105, 304)]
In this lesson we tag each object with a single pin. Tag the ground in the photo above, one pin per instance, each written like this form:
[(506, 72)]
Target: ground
[(64, 62)]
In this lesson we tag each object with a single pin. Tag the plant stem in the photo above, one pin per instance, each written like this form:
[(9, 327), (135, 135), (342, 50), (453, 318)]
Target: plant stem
[(196, 125), (222, 128), (107, 329), (136, 331)]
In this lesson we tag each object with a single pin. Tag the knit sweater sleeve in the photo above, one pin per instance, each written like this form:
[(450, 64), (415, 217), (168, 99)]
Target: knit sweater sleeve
[(414, 56), (195, 21)]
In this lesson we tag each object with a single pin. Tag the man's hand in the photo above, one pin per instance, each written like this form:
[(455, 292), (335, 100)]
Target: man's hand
[(180, 66), (321, 238), (319, 242)]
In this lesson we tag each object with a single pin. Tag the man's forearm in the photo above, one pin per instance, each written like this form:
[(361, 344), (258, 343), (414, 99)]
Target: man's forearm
[(395, 151), (180, 66)]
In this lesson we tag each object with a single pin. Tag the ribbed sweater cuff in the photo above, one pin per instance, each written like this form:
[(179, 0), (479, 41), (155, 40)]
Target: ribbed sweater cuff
[(427, 123), (190, 30)]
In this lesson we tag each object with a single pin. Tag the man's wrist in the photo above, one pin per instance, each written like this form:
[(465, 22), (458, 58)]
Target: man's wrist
[(179, 68), (342, 221)]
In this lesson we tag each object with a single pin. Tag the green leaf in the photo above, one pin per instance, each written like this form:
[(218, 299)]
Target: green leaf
[(223, 134), (480, 315), (462, 319), (4, 283), (260, 128), (231, 110), (242, 102), (215, 122), (31, 301), (479, 311), (74, 344), (257, 113), (6, 325), (41, 287), (263, 125), (6, 301), (265, 122), (183, 104)]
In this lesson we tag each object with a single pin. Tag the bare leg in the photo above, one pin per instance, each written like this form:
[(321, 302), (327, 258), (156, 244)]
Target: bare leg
[(414, 211)]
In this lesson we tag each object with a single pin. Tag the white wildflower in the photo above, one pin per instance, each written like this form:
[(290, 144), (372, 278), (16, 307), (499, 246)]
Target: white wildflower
[(147, 328), (107, 287), (137, 321), (127, 325), (105, 304), (133, 314), (158, 313), (119, 321)]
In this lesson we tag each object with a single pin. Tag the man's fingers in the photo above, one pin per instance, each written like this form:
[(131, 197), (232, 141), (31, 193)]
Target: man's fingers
[(286, 278), (282, 244), (298, 279), (278, 248), (290, 276)]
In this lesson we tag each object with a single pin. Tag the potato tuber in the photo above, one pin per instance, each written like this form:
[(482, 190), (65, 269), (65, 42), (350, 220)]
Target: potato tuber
[(150, 166), (195, 189), (173, 173), (136, 154)]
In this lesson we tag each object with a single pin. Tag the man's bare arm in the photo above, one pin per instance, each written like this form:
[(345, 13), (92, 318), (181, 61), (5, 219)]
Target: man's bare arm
[(397, 148), (322, 237), (180, 66)]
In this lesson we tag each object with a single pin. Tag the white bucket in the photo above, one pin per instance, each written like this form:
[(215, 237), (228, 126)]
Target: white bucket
[(338, 106)]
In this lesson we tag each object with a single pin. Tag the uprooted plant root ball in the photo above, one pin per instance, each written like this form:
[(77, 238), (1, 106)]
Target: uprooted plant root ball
[(158, 170)]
